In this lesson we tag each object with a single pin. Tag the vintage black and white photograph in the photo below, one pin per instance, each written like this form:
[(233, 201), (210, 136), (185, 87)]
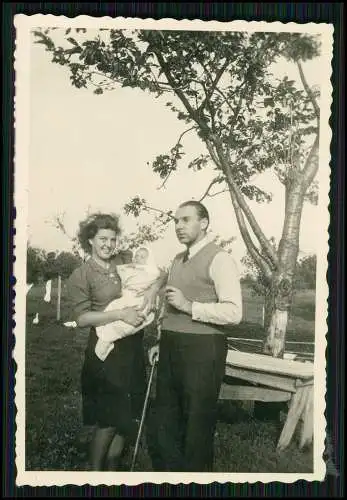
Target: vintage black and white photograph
[(172, 189)]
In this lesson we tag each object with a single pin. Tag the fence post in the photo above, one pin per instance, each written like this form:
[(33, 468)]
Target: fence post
[(59, 298)]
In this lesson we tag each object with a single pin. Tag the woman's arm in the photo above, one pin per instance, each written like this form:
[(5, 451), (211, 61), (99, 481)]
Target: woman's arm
[(129, 315)]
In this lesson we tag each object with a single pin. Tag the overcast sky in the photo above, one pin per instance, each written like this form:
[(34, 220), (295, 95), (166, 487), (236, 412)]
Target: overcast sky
[(91, 151)]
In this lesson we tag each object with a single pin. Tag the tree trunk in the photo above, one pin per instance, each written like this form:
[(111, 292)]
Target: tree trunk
[(268, 309), (280, 296), (277, 305)]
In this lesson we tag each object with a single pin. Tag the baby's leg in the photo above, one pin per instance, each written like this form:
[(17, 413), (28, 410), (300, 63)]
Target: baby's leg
[(103, 349), (114, 331), (109, 334)]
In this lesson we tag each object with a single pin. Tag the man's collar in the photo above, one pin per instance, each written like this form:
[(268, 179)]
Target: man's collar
[(198, 246)]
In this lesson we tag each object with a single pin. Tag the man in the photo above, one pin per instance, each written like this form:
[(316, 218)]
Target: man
[(203, 294)]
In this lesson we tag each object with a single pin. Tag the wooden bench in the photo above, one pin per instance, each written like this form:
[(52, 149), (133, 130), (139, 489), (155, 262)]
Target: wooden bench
[(274, 379)]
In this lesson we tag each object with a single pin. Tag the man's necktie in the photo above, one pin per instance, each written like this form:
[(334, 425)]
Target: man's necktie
[(186, 255)]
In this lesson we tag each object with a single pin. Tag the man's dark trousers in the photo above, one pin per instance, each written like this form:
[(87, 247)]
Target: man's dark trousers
[(190, 373)]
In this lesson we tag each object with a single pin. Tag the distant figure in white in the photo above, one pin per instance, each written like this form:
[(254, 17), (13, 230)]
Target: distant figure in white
[(136, 278), (46, 298)]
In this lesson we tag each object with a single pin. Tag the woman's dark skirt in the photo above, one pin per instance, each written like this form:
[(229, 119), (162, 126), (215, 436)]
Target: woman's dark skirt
[(113, 391)]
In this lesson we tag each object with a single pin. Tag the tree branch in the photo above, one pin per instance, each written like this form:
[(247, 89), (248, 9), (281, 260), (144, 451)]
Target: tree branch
[(308, 91), (220, 91), (218, 192), (184, 133), (225, 97), (151, 209), (253, 251), (192, 112), (206, 103), (312, 163), (234, 189), (212, 183), (159, 83), (254, 224), (219, 75), (178, 142), (58, 223), (220, 160), (164, 181), (245, 208), (236, 114), (213, 154)]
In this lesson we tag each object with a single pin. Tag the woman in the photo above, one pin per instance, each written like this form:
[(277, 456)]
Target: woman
[(112, 390)]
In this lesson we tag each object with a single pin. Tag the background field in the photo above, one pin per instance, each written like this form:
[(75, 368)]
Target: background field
[(55, 438)]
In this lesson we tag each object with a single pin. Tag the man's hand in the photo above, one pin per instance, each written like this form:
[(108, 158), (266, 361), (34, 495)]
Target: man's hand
[(176, 299)]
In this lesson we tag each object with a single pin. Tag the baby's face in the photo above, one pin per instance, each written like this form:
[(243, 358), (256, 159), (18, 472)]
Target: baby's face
[(141, 257)]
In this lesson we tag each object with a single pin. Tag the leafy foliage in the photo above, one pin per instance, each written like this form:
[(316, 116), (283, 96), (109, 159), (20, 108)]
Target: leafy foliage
[(224, 82), (42, 265), (35, 262), (65, 263), (305, 276), (226, 244), (221, 84)]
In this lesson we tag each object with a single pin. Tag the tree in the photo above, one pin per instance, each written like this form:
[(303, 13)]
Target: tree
[(65, 263), (222, 87), (35, 264), (305, 275), (49, 266), (59, 264)]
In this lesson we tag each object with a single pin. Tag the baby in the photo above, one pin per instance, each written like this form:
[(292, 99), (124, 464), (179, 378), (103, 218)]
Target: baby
[(136, 278)]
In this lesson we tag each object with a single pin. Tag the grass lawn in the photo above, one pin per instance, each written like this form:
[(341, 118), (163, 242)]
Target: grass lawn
[(54, 433)]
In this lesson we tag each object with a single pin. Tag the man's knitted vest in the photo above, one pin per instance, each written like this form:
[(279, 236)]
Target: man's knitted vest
[(193, 279)]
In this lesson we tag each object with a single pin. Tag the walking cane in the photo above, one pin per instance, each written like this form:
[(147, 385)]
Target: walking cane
[(143, 416)]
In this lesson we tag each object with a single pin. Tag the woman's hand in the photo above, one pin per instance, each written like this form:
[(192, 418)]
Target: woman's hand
[(133, 316)]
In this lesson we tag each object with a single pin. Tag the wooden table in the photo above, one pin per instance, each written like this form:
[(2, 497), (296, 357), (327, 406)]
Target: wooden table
[(274, 379)]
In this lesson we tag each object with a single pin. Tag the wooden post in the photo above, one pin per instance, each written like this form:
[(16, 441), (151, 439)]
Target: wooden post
[(296, 408), (59, 298)]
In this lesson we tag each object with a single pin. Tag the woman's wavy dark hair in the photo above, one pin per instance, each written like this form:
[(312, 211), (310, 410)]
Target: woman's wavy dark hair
[(89, 227)]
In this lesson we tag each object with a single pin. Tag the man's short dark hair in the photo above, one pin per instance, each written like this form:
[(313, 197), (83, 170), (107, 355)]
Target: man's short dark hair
[(200, 209)]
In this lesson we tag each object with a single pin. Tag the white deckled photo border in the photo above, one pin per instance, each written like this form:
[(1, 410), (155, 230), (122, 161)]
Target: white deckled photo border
[(24, 25)]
